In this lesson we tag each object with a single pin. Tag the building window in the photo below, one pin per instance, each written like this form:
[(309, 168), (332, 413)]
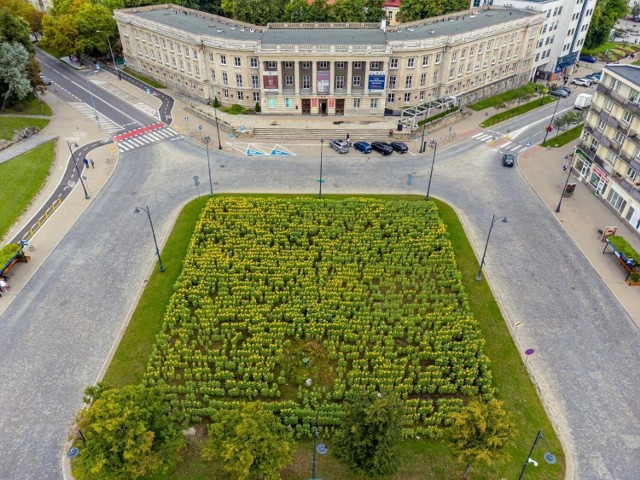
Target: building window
[(223, 59), (240, 95), (411, 62), (211, 57), (407, 97), (288, 66), (438, 58), (460, 70), (614, 84), (272, 66), (619, 137), (306, 65), (356, 103), (256, 96), (425, 61), (616, 200), (272, 103), (253, 62), (634, 96), (392, 81), (435, 77), (288, 102), (451, 73), (631, 174), (375, 65), (323, 65), (237, 61), (239, 80), (423, 80), (340, 65), (374, 103), (393, 63), (288, 80), (454, 57), (610, 157), (225, 92), (408, 81), (195, 53), (422, 95), (357, 81), (340, 81), (601, 125), (254, 81), (306, 82), (357, 65), (629, 215), (628, 117), (472, 50), (391, 97), (225, 80)]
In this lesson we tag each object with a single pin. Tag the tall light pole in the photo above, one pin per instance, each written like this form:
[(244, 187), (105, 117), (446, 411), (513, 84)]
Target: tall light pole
[(113, 58), (567, 180), (549, 457), (434, 144), (313, 463), (320, 181), (153, 232), (73, 157), (215, 112), (551, 121), (493, 220), (207, 139)]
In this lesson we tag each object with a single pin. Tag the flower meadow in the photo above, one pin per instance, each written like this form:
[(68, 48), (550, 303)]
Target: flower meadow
[(295, 302)]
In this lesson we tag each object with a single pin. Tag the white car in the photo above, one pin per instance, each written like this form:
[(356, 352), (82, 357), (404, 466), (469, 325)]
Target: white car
[(581, 81)]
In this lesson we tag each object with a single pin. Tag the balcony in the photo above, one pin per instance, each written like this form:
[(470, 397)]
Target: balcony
[(597, 134), (619, 99), (628, 186), (591, 155)]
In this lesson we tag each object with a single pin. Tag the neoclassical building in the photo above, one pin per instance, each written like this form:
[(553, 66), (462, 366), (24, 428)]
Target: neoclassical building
[(331, 69)]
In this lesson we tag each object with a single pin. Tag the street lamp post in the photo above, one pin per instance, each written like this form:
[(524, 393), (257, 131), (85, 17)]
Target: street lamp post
[(320, 181), (113, 58), (551, 121), (153, 232), (313, 463), (434, 144), (422, 145), (493, 220), (567, 180), (549, 457), (73, 157), (215, 112), (207, 139)]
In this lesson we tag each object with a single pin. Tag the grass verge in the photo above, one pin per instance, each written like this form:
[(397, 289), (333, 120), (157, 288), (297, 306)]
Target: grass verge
[(420, 459), (22, 177), (514, 112), (565, 137), (614, 51), (9, 124), (505, 97), (30, 107), (146, 80)]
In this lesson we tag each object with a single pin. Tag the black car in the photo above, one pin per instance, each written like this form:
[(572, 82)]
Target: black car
[(566, 89), (559, 93), (508, 160), (399, 147), (382, 147)]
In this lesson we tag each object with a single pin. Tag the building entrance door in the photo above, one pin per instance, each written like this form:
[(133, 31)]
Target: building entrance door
[(323, 107), (306, 106), (340, 106)]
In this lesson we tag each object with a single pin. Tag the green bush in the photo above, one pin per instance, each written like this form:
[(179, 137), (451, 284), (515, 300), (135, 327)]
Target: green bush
[(235, 109), (216, 102), (7, 252), (514, 112), (258, 109), (505, 97), (439, 115), (623, 247), (564, 138)]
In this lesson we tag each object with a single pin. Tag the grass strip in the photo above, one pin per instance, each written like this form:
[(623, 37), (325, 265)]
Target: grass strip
[(144, 79), (420, 459), (22, 178), (514, 112), (29, 107), (10, 124), (565, 137), (505, 97)]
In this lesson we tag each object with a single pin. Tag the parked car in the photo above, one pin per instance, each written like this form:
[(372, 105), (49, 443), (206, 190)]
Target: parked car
[(566, 89), (581, 81), (382, 147), (46, 80), (340, 146), (588, 58), (559, 93), (593, 78), (399, 147), (508, 160), (364, 147)]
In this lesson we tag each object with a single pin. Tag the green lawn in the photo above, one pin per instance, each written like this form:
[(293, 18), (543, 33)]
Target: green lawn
[(421, 459), (615, 51), (564, 138), (514, 112), (146, 80), (505, 97), (9, 124), (22, 177), (29, 107)]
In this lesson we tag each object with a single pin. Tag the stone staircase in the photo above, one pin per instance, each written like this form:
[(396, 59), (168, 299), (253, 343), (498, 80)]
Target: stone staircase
[(283, 134)]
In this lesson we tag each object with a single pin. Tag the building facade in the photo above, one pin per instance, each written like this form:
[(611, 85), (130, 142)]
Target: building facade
[(330, 69), (562, 34), (608, 157)]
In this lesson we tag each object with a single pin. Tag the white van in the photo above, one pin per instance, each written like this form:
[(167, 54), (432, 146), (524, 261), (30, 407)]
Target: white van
[(583, 101)]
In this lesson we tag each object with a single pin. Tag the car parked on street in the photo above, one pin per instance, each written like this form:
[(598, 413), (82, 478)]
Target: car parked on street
[(565, 88), (588, 58), (364, 147), (46, 80), (340, 146), (584, 82), (382, 147), (508, 160), (559, 93), (399, 147), (594, 77)]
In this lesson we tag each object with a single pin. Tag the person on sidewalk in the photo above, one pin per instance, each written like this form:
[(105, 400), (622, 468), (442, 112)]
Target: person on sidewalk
[(86, 162), (93, 165), (4, 286)]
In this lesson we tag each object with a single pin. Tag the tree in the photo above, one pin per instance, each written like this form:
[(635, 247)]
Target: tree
[(605, 14), (635, 11), (343, 11), (373, 10), (15, 84), (249, 442), (14, 29), (368, 438), (479, 431), (90, 18), (129, 433), (26, 11)]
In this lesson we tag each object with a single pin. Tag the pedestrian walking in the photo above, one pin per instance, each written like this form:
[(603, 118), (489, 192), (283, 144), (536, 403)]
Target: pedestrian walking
[(4, 286), (391, 133), (86, 162), (347, 138), (93, 165), (564, 167)]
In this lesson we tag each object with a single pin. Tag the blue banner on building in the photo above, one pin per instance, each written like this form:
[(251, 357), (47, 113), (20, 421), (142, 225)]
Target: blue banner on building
[(376, 81)]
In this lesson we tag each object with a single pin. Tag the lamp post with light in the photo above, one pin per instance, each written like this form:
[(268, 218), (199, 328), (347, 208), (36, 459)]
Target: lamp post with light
[(434, 145), (153, 232), (493, 221), (73, 157), (549, 457)]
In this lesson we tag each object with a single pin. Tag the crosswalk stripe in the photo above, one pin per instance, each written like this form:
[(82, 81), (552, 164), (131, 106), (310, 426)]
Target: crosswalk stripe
[(480, 134), (484, 137), (154, 136)]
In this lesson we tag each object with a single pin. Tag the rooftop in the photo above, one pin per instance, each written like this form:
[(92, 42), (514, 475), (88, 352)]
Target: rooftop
[(200, 23), (628, 72)]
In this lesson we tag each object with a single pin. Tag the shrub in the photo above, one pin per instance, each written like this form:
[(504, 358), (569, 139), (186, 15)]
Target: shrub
[(258, 109)]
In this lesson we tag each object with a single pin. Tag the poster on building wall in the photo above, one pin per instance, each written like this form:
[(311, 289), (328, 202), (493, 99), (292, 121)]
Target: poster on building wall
[(331, 103), (601, 173), (270, 81), (314, 102), (322, 81), (376, 81)]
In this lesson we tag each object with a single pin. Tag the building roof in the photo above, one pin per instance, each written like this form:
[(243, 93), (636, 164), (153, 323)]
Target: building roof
[(200, 23), (628, 72)]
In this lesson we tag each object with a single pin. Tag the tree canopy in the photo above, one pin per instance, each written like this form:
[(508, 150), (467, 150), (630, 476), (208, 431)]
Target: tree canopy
[(605, 14), (249, 443), (411, 10), (129, 433)]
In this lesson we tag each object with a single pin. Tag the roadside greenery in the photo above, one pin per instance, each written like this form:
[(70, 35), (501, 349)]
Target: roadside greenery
[(8, 252), (438, 116), (564, 138), (623, 247), (605, 14), (30, 106), (22, 177), (9, 124), (514, 112), (524, 92)]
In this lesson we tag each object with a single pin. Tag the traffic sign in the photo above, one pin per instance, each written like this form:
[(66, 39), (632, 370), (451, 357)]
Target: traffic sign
[(232, 136), (199, 127), (242, 129), (279, 152)]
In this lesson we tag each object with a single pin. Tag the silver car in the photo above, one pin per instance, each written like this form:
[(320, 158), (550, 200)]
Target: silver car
[(340, 146)]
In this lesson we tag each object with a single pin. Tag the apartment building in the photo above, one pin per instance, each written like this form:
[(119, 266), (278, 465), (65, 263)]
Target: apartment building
[(562, 34), (608, 157), (330, 69)]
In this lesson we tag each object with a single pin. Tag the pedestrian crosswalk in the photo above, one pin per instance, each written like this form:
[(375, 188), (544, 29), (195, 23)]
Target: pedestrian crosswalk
[(144, 136), (92, 114), (492, 138)]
